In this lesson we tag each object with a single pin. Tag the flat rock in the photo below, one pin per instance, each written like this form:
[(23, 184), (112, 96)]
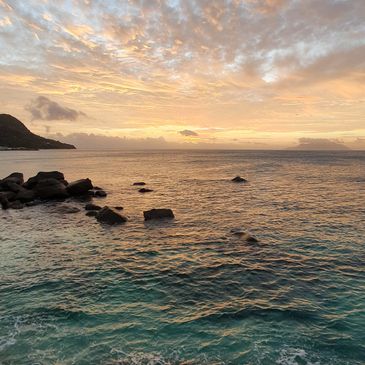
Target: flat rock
[(145, 190), (91, 206), (239, 179), (79, 187), (158, 214), (100, 193), (110, 216), (91, 213)]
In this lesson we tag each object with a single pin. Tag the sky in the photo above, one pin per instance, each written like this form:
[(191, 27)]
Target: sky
[(209, 73)]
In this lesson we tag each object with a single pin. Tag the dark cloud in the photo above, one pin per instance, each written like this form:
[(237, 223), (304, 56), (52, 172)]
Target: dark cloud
[(43, 108), (319, 144), (188, 133)]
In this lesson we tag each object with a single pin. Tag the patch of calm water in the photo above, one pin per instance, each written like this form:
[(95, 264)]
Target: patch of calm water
[(186, 291)]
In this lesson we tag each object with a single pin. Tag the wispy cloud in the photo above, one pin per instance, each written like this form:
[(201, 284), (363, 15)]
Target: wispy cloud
[(188, 133)]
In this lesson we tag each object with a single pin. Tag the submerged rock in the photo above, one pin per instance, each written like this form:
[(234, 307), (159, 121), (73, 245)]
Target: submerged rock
[(91, 206), (139, 183), (145, 190), (66, 209), (158, 214), (245, 236), (118, 208), (110, 216), (239, 179), (79, 187), (100, 193)]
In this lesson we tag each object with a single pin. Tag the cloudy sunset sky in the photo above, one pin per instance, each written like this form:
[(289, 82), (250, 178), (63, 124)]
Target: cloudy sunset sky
[(240, 73)]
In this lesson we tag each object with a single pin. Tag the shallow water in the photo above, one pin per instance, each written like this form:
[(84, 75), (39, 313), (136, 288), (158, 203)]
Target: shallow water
[(187, 291)]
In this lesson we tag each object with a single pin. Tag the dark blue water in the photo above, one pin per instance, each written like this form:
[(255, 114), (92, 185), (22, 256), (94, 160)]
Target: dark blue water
[(188, 291)]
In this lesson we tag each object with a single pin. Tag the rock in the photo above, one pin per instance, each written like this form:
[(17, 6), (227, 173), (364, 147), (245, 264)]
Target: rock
[(158, 214), (100, 193), (16, 205), (33, 203), (66, 209), (140, 183), (8, 195), (79, 187), (245, 236), (92, 213), (118, 208), (239, 179), (145, 190), (25, 195), (9, 185), (44, 175), (50, 189), (15, 177), (4, 202), (91, 206), (110, 216)]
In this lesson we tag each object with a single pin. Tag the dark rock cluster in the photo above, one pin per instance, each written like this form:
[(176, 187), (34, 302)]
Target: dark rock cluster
[(15, 193)]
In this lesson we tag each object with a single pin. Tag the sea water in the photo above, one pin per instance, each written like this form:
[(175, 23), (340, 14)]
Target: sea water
[(188, 291)]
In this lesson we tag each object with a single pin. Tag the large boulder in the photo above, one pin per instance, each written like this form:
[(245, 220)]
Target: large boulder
[(158, 214), (25, 195), (110, 216), (79, 187), (9, 185), (15, 177), (8, 195), (50, 189), (44, 175)]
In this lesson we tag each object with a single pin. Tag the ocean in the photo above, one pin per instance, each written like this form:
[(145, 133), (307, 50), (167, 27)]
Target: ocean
[(188, 291)]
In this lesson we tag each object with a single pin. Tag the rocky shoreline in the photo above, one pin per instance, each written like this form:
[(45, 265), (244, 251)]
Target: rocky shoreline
[(46, 186), (15, 193)]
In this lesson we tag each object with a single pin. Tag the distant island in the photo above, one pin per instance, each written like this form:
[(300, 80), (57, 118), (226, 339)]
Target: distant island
[(14, 135)]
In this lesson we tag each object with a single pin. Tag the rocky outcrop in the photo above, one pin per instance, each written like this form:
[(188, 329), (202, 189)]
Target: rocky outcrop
[(158, 214), (43, 175), (109, 215), (50, 189)]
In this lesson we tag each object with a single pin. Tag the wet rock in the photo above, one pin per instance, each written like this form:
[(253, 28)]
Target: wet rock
[(145, 190), (245, 236), (8, 195), (16, 205), (118, 208), (79, 187), (238, 179), (4, 202), (92, 213), (158, 214), (44, 175), (139, 183), (15, 177), (91, 206), (12, 186), (100, 193), (110, 216), (25, 195), (50, 189)]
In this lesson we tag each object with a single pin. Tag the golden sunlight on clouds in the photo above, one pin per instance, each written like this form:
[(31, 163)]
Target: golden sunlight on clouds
[(239, 73)]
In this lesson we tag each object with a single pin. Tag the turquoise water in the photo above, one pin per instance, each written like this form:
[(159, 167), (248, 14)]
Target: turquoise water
[(188, 291)]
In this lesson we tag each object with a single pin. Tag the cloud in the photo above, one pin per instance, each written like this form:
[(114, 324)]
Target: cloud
[(43, 108), (319, 144), (188, 133)]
